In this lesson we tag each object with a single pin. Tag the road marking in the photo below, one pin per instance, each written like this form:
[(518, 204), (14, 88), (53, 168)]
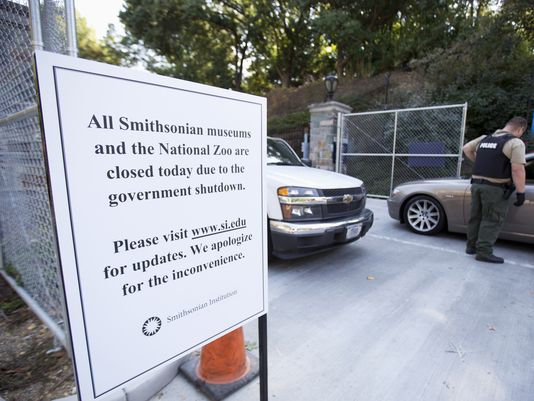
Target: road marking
[(439, 248)]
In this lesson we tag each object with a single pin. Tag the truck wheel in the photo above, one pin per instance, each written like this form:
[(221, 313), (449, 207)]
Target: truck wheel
[(269, 246)]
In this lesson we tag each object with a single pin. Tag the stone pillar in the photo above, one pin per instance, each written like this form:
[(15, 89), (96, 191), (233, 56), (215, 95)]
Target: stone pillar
[(323, 132)]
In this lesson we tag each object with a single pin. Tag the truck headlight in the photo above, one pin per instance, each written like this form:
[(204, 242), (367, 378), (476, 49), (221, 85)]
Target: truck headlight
[(296, 212), (300, 203), (297, 191)]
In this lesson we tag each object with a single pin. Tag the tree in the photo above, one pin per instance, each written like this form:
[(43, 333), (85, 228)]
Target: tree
[(489, 69), (520, 13), (374, 36), (288, 45), (357, 30), (201, 40), (91, 48), (427, 25), (208, 40), (88, 45), (118, 48), (257, 44)]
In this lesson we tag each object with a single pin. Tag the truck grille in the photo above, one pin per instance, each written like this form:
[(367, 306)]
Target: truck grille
[(341, 208), (338, 208), (342, 191)]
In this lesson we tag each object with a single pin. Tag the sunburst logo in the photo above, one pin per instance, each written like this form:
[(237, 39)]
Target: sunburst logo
[(151, 326)]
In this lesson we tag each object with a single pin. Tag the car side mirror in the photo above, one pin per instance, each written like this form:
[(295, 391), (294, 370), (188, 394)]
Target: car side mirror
[(307, 162)]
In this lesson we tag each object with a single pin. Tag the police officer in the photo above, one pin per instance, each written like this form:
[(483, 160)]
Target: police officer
[(499, 161)]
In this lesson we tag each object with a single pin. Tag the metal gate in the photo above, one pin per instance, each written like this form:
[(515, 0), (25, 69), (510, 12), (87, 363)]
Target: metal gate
[(27, 242), (387, 148), (295, 137)]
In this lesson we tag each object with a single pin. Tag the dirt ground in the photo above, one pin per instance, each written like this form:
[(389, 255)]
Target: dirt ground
[(28, 372)]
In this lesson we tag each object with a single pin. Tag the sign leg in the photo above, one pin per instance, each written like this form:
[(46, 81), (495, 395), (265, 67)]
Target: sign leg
[(262, 334)]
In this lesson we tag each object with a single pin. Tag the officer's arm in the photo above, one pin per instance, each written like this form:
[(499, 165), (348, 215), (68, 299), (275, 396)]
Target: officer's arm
[(518, 175), (469, 152)]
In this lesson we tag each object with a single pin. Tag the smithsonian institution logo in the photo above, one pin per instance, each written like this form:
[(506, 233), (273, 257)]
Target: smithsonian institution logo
[(151, 326)]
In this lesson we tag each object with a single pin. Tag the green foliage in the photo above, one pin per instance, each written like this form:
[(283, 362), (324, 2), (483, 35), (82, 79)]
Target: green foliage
[(360, 103), (212, 41), (521, 14), (11, 304), (490, 69), (89, 47), (344, 35), (375, 36), (425, 26), (286, 45), (203, 41), (468, 51), (195, 64), (262, 78), (288, 121), (14, 273), (118, 49)]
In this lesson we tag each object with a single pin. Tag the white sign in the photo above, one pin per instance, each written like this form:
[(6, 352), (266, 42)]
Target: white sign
[(157, 190)]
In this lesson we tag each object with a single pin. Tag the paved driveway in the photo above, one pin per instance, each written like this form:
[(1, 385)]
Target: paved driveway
[(398, 317)]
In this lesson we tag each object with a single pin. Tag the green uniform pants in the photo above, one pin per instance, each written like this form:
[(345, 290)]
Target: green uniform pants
[(488, 212)]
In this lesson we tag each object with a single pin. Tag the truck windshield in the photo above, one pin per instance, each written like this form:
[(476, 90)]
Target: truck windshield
[(280, 154)]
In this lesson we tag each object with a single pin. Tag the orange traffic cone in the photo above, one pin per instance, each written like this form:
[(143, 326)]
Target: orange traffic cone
[(224, 366), (224, 360)]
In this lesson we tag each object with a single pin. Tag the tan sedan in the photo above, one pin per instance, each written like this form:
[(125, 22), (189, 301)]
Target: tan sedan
[(430, 206)]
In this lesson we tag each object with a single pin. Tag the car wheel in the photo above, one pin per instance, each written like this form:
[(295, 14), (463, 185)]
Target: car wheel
[(424, 215)]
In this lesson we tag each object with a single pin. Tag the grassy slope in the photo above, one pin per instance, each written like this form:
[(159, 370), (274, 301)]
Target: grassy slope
[(288, 108)]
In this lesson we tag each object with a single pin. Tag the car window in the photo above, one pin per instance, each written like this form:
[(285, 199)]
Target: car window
[(279, 153)]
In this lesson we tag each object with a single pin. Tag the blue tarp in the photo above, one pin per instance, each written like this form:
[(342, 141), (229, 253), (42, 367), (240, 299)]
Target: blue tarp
[(433, 148)]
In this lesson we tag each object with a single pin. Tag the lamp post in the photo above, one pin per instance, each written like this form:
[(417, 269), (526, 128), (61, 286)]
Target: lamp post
[(330, 84)]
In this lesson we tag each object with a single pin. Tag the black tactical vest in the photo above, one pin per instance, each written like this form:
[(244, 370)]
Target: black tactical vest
[(490, 161)]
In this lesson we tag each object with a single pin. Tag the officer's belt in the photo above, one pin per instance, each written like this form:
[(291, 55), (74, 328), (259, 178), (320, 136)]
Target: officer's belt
[(487, 182)]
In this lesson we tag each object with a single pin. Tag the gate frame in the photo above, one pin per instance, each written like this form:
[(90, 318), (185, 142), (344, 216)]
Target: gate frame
[(37, 25), (341, 131)]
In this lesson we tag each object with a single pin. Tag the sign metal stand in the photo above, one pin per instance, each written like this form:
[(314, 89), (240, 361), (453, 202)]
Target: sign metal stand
[(262, 334)]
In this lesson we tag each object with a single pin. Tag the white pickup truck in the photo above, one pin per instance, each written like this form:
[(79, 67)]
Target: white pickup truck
[(309, 209)]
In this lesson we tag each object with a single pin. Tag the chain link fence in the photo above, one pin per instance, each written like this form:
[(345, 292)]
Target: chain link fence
[(27, 243), (295, 137), (387, 148)]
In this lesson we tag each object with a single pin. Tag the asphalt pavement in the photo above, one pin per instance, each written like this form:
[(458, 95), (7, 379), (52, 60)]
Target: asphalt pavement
[(396, 316)]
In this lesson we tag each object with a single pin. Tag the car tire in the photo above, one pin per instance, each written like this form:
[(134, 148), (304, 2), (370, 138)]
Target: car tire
[(424, 215)]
